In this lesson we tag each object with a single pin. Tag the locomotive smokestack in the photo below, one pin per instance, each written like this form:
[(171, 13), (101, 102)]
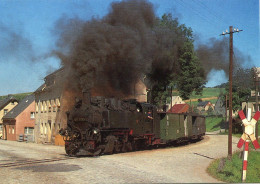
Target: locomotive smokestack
[(86, 97)]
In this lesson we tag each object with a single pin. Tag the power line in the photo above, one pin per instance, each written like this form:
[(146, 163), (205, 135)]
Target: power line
[(213, 13), (185, 5), (196, 12)]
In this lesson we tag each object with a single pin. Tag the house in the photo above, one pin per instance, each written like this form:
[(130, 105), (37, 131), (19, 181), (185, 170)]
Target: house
[(204, 106), (175, 100), (179, 108), (48, 119), (253, 93), (5, 106), (251, 103), (20, 120), (220, 107)]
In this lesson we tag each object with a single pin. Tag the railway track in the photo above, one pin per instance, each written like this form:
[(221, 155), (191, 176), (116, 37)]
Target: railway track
[(30, 162)]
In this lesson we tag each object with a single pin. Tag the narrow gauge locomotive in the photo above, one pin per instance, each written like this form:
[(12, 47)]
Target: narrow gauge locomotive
[(101, 125)]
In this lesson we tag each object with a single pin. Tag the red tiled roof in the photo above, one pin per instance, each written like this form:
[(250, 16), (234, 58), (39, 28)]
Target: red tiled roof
[(179, 108)]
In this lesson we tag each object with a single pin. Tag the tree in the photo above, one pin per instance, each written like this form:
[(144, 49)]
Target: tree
[(174, 65), (241, 87), (191, 77)]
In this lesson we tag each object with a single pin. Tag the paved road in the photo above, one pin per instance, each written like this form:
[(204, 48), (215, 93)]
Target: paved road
[(184, 164)]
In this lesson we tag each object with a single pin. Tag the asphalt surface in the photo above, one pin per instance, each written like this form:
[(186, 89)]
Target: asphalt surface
[(182, 164)]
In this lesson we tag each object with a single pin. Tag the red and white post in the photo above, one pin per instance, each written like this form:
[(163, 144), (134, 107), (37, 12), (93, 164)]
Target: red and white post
[(246, 150)]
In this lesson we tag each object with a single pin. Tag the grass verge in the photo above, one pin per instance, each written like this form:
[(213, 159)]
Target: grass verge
[(18, 96), (213, 123), (232, 170)]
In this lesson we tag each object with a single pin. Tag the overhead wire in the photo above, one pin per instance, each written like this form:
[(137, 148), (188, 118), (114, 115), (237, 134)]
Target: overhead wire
[(185, 5), (202, 17), (210, 11)]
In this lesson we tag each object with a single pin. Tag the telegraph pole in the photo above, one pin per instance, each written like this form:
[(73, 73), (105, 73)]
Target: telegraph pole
[(231, 31)]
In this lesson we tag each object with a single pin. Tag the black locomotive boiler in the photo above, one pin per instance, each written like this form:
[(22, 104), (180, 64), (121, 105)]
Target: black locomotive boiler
[(101, 125)]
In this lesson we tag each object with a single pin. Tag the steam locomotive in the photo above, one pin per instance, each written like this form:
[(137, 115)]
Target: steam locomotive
[(99, 125)]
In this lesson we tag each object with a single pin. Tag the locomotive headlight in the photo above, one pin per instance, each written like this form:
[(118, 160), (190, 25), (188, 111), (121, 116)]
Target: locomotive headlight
[(95, 131)]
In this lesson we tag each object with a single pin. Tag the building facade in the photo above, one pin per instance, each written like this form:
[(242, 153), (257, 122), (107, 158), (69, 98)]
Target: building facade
[(6, 105), (175, 100), (251, 103), (220, 108), (48, 108), (19, 122), (205, 105)]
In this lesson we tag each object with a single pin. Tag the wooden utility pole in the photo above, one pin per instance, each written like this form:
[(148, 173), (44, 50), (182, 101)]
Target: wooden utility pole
[(230, 90), (231, 31), (226, 115)]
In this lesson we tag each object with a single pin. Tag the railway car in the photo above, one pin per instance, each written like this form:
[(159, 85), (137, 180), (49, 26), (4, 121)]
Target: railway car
[(181, 127), (101, 125)]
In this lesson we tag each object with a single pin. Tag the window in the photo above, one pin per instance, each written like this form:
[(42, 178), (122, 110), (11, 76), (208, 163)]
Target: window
[(28, 130), (58, 104), (41, 128), (32, 115), (49, 126), (41, 106), (44, 106), (5, 111), (53, 105), (12, 130), (45, 128), (36, 107)]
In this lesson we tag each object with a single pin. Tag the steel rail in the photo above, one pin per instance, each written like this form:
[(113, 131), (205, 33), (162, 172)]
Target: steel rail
[(29, 162)]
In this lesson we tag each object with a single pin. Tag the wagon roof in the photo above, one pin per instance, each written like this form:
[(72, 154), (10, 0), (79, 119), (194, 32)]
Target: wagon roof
[(179, 108)]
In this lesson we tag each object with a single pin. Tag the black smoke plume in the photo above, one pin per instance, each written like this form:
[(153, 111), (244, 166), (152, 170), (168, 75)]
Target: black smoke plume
[(215, 55), (110, 54)]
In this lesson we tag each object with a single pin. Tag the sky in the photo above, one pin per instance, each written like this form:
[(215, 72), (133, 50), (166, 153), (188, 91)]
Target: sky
[(27, 33)]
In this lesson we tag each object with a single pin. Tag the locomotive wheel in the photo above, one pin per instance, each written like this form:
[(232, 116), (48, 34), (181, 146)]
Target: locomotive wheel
[(127, 147), (139, 145), (71, 149), (118, 146), (110, 145)]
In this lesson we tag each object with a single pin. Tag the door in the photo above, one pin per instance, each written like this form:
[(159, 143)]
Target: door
[(185, 125), (29, 134), (49, 125)]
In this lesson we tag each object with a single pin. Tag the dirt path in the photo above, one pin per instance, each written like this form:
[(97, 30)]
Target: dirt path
[(203, 99)]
